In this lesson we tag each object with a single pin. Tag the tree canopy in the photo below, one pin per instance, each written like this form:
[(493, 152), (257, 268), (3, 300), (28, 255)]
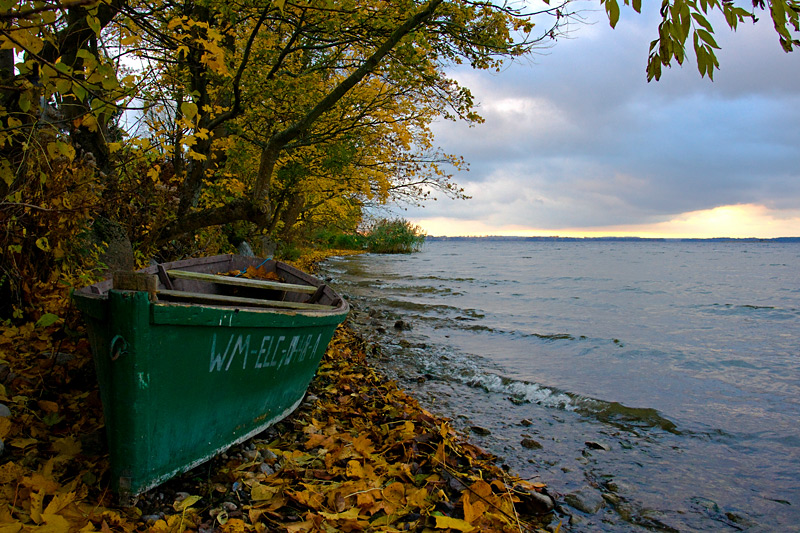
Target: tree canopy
[(175, 116)]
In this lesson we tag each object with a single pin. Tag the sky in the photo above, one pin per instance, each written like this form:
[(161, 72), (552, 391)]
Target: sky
[(577, 143)]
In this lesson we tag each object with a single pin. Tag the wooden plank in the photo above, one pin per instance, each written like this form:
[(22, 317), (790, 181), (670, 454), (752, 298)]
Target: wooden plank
[(164, 278), (239, 300), (135, 281), (242, 282)]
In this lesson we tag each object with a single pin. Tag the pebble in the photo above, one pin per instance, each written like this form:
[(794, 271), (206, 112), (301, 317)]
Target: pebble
[(266, 469), (251, 455), (64, 358), (592, 445), (268, 455), (527, 423), (5, 412), (533, 502), (480, 431), (401, 325), (706, 504), (530, 444), (585, 499)]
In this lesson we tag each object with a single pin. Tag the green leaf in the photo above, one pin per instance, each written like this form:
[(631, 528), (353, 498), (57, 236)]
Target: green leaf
[(94, 24), (79, 91), (24, 102), (679, 54), (63, 68), (707, 38), (43, 244), (189, 109), (47, 319), (612, 8), (701, 20), (63, 86)]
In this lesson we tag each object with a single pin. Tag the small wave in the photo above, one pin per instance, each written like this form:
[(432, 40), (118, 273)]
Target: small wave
[(631, 419), (624, 417), (744, 309), (519, 391), (554, 336), (428, 309)]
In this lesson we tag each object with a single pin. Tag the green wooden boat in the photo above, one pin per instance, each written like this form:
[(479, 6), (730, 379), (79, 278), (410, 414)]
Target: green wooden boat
[(191, 362)]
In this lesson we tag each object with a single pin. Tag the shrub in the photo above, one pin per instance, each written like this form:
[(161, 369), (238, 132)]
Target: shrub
[(397, 236)]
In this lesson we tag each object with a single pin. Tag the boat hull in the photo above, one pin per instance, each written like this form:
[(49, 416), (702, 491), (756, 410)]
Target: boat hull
[(181, 383)]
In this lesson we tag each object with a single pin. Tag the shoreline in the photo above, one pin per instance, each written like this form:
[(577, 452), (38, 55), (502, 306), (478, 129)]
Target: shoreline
[(359, 453)]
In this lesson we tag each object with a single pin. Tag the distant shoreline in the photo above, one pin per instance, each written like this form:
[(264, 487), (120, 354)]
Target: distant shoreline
[(613, 239)]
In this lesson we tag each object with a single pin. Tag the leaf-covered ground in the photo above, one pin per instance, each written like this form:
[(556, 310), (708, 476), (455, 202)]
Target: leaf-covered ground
[(358, 455)]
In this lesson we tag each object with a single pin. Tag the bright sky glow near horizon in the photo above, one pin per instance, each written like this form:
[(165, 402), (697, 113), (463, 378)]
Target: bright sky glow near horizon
[(577, 143)]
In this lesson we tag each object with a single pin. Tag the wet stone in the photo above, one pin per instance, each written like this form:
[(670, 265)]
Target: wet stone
[(478, 430), (531, 444), (706, 504), (251, 455), (585, 499), (525, 422), (536, 503), (592, 445), (268, 455), (5, 412), (402, 325)]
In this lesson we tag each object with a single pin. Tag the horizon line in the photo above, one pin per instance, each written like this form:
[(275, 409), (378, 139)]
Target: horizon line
[(610, 237)]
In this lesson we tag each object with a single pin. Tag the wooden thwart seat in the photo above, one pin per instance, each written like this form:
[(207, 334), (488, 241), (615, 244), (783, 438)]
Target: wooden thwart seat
[(242, 282), (237, 300)]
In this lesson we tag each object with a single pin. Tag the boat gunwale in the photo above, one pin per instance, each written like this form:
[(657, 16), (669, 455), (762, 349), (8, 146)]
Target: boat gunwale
[(103, 287)]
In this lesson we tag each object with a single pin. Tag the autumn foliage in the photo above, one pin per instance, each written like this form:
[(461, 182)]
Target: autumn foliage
[(358, 455), (194, 125)]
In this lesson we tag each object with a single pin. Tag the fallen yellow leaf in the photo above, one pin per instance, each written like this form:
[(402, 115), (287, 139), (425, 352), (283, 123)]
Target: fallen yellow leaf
[(299, 527), (350, 514), (261, 492), (185, 503), (447, 522)]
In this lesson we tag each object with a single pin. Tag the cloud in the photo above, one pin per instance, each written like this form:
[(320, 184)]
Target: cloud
[(579, 139), (738, 221)]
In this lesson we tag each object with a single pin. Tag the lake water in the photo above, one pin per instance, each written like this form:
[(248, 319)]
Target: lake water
[(661, 379)]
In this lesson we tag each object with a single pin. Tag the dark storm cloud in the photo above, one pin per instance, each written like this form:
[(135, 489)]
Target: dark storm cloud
[(580, 139)]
